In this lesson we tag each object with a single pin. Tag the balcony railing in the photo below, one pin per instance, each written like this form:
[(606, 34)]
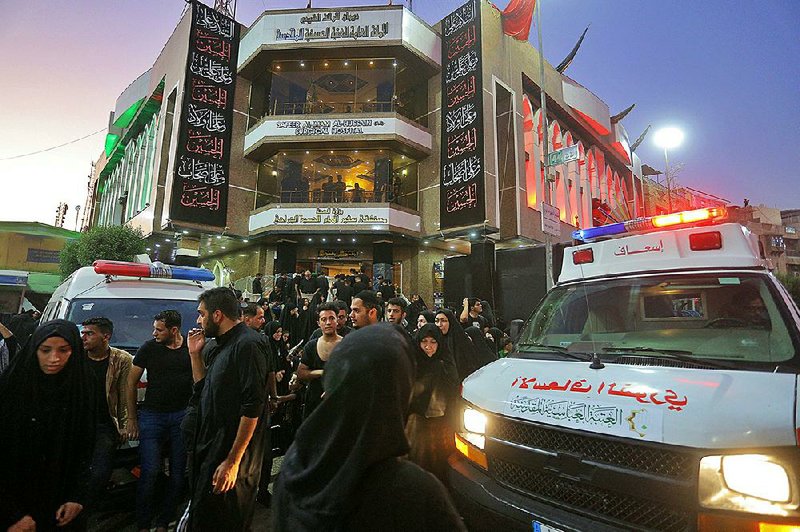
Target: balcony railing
[(320, 108), (349, 196)]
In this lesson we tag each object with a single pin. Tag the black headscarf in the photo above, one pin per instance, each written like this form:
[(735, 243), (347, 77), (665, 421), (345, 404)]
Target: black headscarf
[(486, 312), (360, 423), (414, 309), (497, 339), (50, 415), (430, 317), (433, 372), (481, 344), (467, 359)]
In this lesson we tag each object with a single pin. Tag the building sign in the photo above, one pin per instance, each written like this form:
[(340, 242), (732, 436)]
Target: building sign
[(334, 26), (44, 256), (335, 128), (201, 179), (337, 254), (551, 219), (462, 196), (370, 218), (338, 127)]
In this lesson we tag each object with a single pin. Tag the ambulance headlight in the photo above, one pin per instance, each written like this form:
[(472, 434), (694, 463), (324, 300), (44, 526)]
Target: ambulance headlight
[(754, 483), (474, 421)]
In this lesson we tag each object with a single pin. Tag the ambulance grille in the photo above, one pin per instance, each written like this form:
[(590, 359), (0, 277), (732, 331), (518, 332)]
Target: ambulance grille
[(659, 460), (591, 501)]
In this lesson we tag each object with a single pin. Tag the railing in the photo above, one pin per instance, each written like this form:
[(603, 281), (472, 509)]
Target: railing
[(320, 108), (349, 196)]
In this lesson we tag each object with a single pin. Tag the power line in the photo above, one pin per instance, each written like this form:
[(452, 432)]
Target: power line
[(52, 147)]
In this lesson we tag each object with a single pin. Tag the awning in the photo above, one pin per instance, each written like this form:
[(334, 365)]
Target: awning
[(43, 283)]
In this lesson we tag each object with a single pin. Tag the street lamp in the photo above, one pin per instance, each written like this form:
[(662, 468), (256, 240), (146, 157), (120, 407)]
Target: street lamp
[(667, 138)]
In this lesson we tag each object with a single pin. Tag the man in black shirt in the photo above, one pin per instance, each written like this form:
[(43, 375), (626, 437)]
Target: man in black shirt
[(169, 387), (258, 287), (315, 355), (228, 406), (111, 367), (306, 286), (344, 292), (253, 317), (471, 314)]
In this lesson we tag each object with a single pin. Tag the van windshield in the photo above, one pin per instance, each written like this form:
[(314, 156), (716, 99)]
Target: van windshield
[(733, 317), (132, 318)]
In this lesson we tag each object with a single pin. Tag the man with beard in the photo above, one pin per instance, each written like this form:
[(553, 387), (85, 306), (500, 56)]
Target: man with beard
[(230, 374), (364, 309), (169, 387), (396, 311), (315, 355)]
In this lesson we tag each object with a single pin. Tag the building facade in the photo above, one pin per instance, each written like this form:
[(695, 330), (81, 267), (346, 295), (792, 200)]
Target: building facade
[(365, 138)]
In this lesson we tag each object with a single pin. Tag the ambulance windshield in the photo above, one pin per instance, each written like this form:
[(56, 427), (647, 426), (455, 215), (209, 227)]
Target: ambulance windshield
[(732, 317), (132, 318)]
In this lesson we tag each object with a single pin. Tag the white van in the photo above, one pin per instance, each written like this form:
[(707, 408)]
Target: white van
[(129, 294), (655, 387)]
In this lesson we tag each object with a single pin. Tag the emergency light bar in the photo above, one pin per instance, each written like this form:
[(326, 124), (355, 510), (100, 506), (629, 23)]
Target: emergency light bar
[(156, 270), (651, 223)]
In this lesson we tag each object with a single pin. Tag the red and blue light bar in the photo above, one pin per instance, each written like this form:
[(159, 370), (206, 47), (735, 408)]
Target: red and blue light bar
[(155, 270), (652, 223)]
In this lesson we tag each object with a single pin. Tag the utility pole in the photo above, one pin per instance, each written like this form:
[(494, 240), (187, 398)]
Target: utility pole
[(548, 257)]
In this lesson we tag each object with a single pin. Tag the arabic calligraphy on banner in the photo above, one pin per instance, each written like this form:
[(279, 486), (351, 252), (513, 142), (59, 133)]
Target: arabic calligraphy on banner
[(200, 183), (332, 26), (462, 196)]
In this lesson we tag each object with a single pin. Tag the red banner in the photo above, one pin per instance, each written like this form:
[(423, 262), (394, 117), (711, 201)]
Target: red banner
[(517, 18)]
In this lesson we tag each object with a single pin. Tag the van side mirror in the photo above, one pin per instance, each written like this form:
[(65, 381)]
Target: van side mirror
[(514, 329)]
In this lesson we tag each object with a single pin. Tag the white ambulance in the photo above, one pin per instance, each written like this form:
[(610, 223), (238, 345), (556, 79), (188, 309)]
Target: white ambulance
[(655, 387), (129, 294)]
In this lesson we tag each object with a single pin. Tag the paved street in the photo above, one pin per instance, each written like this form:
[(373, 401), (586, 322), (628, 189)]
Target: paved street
[(124, 521)]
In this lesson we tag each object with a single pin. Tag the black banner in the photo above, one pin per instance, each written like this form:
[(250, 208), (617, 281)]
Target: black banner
[(462, 196), (202, 157)]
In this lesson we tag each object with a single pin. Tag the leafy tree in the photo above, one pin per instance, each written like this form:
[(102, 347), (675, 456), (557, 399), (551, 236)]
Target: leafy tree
[(792, 284), (114, 242)]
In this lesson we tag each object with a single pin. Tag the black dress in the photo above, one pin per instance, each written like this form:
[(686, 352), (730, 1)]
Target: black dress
[(429, 429), (343, 472), (46, 433)]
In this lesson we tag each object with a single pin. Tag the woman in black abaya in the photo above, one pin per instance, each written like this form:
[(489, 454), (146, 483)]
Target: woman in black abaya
[(344, 470), (428, 430), (46, 431), (464, 353), (482, 346)]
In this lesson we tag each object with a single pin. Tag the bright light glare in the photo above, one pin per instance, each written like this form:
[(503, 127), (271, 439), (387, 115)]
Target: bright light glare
[(668, 137), (474, 421), (755, 475)]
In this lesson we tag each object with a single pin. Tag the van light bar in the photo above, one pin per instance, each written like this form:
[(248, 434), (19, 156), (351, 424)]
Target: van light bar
[(650, 223), (156, 270)]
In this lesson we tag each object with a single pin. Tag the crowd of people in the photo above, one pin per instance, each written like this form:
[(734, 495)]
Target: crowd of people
[(357, 386)]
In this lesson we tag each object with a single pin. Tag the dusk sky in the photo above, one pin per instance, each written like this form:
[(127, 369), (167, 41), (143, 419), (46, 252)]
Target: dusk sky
[(727, 73)]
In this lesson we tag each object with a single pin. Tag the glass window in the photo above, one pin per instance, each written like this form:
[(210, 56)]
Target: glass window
[(371, 85), (338, 176), (734, 317), (132, 318)]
